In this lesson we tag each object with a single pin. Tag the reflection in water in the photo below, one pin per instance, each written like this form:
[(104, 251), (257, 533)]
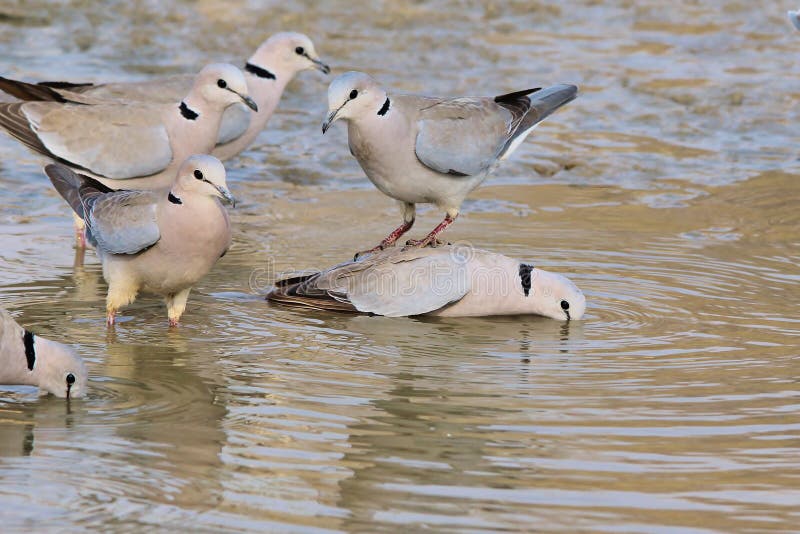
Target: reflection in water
[(667, 192)]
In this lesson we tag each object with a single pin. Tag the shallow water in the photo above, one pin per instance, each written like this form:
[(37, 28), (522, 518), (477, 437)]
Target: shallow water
[(668, 192)]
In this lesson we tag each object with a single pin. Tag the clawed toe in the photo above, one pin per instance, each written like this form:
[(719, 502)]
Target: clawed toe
[(422, 243), (372, 250)]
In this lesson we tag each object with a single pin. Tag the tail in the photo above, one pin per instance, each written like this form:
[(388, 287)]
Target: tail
[(546, 101), (31, 92), (78, 190), (531, 110), (69, 86)]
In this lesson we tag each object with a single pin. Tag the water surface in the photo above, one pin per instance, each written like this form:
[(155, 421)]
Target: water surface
[(668, 192)]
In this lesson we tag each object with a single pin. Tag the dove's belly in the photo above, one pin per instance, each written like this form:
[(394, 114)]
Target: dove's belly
[(406, 179), (177, 261)]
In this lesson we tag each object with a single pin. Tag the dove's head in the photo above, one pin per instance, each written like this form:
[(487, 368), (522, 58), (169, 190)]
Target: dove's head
[(549, 294), (353, 95), (220, 85), (287, 53), (58, 369), (204, 175)]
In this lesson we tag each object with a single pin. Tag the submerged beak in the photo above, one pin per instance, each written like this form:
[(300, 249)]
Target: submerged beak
[(320, 66), (69, 387), (226, 195), (330, 120)]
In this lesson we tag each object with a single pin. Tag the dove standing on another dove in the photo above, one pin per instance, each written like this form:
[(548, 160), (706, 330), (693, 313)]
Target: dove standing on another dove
[(27, 359), (794, 16), (422, 149), (159, 241), (273, 65), (448, 281)]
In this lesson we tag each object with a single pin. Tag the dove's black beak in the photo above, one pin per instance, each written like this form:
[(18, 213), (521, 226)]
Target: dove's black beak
[(70, 381), (320, 66)]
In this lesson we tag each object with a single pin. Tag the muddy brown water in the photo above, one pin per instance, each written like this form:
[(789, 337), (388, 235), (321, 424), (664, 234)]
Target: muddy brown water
[(668, 192)]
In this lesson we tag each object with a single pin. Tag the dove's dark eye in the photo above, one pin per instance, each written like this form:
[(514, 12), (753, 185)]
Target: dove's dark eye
[(299, 50), (564, 305), (353, 94), (198, 174), (70, 379), (222, 83)]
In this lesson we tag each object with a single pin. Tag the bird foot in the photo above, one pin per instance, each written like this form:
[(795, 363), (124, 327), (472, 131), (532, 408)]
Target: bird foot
[(382, 246), (422, 243), (111, 319), (173, 322)]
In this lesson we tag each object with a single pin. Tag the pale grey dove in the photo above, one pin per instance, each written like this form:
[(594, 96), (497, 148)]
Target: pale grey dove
[(158, 241), (28, 359), (135, 145), (273, 65), (450, 281), (422, 149), (131, 145)]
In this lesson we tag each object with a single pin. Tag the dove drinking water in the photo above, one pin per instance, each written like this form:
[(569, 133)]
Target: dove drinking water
[(28, 359), (430, 150), (449, 281)]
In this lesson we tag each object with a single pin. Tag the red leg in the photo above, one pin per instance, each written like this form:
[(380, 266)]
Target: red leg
[(431, 237), (389, 240)]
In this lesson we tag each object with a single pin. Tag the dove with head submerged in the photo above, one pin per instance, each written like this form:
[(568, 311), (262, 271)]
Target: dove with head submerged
[(160, 241), (448, 281), (28, 359), (431, 150)]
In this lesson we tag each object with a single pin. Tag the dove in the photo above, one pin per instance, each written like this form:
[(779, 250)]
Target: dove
[(794, 16), (447, 281), (131, 145), (267, 72), (158, 241), (431, 150), (28, 359), (135, 145)]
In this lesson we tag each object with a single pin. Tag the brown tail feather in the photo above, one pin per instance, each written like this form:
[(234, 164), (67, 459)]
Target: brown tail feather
[(80, 191), (31, 92), (69, 86), (292, 295), (14, 121)]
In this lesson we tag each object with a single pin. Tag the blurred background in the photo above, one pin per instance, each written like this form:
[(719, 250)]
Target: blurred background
[(668, 191)]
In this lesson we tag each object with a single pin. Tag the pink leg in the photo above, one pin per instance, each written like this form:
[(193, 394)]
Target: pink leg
[(430, 239), (80, 238), (389, 240), (111, 316)]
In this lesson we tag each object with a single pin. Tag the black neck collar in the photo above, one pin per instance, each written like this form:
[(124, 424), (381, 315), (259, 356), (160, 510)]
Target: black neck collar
[(187, 112), (385, 107), (258, 71), (172, 198), (30, 351)]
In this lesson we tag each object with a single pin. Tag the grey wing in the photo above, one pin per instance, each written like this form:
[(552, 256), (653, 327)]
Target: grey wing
[(124, 222), (112, 140), (462, 136), (166, 90), (402, 283), (235, 122)]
